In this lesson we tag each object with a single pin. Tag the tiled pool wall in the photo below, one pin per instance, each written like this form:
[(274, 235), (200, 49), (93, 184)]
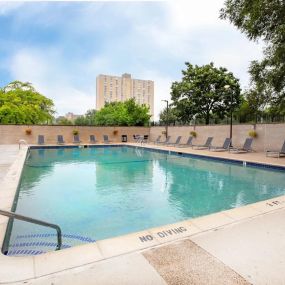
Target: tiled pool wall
[(10, 187)]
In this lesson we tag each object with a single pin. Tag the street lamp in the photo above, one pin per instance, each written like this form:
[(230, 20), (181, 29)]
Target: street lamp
[(228, 87), (166, 125)]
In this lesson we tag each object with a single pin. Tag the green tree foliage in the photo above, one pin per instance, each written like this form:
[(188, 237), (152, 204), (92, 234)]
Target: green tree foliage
[(201, 93), (171, 117), (263, 19), (20, 103), (63, 121), (126, 113), (87, 120)]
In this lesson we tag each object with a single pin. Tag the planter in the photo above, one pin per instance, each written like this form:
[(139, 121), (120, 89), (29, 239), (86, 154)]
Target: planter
[(28, 131), (252, 134), (75, 132), (193, 134)]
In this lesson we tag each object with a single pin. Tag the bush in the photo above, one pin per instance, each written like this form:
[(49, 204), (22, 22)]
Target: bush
[(252, 134), (75, 132), (193, 134)]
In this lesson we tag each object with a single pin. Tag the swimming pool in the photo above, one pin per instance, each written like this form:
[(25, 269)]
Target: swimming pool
[(101, 192)]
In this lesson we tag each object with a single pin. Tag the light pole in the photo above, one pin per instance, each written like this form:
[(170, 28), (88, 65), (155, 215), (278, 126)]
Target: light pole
[(166, 125), (228, 87)]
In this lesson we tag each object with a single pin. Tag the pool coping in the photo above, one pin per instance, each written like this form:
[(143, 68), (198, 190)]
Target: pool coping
[(29, 267)]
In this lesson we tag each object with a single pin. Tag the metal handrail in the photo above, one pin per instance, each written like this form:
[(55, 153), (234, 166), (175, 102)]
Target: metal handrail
[(35, 221)]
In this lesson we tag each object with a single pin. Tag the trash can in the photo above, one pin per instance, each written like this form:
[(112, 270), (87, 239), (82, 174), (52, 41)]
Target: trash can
[(124, 138)]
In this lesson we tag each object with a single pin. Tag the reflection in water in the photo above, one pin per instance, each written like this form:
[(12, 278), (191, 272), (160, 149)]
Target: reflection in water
[(105, 192)]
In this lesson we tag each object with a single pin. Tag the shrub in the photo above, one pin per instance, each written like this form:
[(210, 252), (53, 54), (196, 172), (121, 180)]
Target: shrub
[(252, 134), (193, 134), (75, 132)]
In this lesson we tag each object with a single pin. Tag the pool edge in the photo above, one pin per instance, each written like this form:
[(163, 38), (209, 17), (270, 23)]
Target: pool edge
[(52, 262)]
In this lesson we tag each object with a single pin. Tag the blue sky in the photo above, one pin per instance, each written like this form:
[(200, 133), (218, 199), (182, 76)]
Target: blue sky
[(62, 46)]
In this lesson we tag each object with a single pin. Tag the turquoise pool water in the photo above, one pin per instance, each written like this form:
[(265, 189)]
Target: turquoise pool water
[(98, 193)]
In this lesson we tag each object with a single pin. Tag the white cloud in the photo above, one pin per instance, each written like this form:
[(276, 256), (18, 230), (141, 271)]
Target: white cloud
[(7, 7), (153, 44), (186, 15), (44, 70)]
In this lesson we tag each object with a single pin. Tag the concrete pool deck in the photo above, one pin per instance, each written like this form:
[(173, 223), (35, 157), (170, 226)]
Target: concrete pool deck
[(258, 230)]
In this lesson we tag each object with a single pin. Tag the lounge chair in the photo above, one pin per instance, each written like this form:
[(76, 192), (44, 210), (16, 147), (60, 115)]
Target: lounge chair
[(76, 139), (188, 143), (92, 139), (246, 147), (60, 139), (41, 139), (166, 140), (224, 147), (106, 139), (203, 146), (157, 140), (175, 143), (277, 153)]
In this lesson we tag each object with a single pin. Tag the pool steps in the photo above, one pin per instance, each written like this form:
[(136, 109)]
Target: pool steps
[(39, 243)]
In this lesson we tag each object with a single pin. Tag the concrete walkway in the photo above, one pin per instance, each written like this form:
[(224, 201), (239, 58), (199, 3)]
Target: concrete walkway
[(8, 154), (250, 251), (254, 248)]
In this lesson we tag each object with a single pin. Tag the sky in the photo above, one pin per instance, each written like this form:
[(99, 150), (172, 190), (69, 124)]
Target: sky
[(60, 47)]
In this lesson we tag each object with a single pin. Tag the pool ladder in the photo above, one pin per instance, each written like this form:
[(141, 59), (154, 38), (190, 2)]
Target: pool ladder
[(33, 221)]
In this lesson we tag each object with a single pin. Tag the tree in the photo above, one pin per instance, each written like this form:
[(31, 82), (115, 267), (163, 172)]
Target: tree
[(63, 121), (87, 120), (201, 93), (263, 19), (171, 117), (20, 103), (126, 113)]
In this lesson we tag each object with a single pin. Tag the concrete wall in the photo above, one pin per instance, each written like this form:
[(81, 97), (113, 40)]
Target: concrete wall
[(270, 136), (11, 134)]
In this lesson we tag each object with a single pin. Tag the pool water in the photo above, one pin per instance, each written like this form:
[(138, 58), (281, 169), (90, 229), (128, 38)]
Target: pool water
[(102, 192)]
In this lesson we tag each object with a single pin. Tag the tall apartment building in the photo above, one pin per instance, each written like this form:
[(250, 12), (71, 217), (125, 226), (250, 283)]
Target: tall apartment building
[(115, 88)]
